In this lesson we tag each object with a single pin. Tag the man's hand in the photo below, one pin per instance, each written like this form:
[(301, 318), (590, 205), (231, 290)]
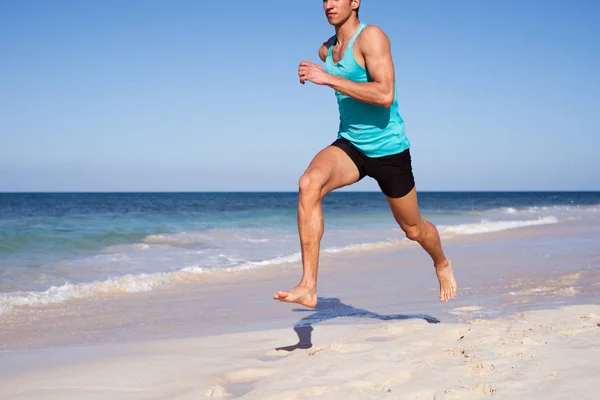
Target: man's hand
[(314, 73)]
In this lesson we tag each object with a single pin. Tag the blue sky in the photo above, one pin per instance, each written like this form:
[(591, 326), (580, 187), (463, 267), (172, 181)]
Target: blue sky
[(199, 96)]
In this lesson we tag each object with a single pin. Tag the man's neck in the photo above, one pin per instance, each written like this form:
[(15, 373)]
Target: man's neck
[(345, 31)]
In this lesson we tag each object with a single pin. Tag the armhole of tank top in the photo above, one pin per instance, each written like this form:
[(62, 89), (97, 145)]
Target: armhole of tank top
[(330, 45)]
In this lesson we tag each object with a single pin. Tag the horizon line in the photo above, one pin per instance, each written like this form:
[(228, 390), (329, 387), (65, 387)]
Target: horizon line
[(292, 191)]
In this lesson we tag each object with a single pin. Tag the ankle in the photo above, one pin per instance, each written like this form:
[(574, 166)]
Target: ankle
[(309, 284), (445, 263)]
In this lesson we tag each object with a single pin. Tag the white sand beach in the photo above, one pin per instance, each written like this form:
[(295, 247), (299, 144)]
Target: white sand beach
[(541, 354)]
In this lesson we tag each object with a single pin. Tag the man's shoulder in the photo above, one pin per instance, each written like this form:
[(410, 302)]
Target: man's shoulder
[(372, 32), (372, 36), (329, 42), (324, 48)]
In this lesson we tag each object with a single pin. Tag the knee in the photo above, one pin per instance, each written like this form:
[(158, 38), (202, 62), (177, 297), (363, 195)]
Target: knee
[(413, 232), (311, 184)]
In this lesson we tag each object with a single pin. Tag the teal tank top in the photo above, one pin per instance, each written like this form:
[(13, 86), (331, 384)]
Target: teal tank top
[(376, 131)]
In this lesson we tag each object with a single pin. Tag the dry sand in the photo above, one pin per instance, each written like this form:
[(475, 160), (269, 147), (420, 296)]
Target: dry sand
[(552, 354)]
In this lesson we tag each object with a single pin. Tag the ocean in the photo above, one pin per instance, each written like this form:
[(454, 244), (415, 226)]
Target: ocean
[(60, 246)]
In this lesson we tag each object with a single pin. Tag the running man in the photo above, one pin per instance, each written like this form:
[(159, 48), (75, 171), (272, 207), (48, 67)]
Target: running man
[(371, 142)]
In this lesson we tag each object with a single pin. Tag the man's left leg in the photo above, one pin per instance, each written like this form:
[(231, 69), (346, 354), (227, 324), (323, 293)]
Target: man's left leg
[(406, 212)]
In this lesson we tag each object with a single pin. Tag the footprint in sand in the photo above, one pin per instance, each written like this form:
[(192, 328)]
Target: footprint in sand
[(273, 355), (217, 392), (241, 382)]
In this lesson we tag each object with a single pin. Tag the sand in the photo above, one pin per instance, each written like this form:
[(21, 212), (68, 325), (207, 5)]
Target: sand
[(550, 354), (525, 325)]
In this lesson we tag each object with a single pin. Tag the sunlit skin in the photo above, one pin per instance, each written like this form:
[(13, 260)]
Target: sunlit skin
[(331, 168)]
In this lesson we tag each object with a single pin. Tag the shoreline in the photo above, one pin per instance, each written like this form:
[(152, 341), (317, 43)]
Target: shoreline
[(140, 282), (400, 276)]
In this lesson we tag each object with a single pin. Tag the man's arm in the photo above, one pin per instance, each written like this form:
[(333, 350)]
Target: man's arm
[(376, 49)]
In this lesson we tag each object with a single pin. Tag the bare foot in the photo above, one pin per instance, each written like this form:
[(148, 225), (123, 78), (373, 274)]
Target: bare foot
[(300, 294), (447, 281)]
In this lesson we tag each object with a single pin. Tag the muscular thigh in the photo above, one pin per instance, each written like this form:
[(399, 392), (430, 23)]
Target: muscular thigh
[(406, 209), (333, 168)]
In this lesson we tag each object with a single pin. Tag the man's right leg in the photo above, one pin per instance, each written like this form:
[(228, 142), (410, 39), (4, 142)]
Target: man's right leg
[(331, 169)]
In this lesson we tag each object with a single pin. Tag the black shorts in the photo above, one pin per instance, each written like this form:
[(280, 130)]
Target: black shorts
[(393, 173)]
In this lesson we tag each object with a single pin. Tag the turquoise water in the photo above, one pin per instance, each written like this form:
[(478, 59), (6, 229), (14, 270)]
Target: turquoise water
[(64, 245)]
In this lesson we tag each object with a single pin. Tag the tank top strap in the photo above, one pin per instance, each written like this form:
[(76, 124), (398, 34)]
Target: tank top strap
[(358, 31)]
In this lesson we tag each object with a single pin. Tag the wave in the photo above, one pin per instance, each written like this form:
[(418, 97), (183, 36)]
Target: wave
[(493, 226), (556, 209), (144, 282)]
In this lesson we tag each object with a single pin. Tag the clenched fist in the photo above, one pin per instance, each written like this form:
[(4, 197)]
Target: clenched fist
[(314, 73)]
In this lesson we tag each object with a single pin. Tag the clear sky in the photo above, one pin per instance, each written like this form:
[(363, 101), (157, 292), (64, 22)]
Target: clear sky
[(146, 95)]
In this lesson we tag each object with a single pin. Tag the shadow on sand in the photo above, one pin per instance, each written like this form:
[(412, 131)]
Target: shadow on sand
[(330, 308)]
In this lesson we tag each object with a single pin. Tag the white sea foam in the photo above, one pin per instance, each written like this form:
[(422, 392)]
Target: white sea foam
[(177, 239), (134, 246), (292, 258), (554, 210), (493, 226), (252, 240), (130, 283), (144, 282), (361, 247), (4, 308)]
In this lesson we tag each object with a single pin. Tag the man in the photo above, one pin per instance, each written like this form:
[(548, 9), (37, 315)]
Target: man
[(371, 142)]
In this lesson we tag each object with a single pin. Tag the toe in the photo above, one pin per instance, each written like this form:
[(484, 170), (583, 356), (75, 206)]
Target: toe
[(280, 295)]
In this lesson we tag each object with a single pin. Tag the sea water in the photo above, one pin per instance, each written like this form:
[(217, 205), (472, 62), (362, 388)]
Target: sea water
[(60, 246)]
